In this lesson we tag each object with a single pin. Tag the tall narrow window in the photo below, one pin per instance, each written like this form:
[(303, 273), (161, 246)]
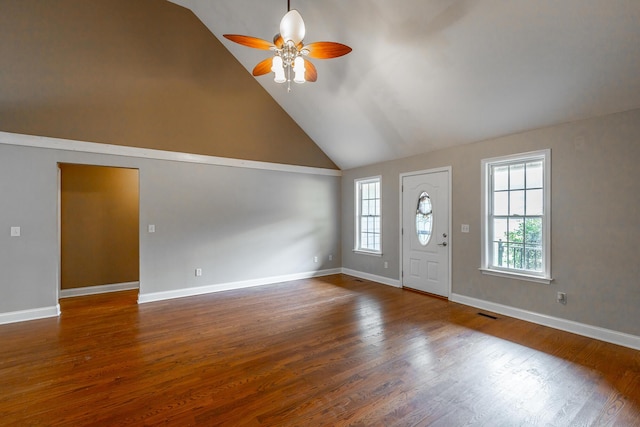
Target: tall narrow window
[(516, 204), (368, 215)]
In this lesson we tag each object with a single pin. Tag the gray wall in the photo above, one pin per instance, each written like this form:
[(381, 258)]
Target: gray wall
[(236, 224), (595, 227), (28, 198)]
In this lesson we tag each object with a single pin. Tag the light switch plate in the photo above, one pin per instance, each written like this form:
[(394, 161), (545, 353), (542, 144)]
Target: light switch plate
[(152, 228), (15, 231)]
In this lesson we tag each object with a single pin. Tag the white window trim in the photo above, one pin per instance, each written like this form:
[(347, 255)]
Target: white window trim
[(486, 267), (364, 252), (356, 236)]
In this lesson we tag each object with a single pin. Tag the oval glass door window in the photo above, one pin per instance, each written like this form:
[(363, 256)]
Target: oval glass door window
[(424, 218)]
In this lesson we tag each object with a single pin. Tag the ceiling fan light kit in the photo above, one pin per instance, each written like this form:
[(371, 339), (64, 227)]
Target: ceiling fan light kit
[(278, 70), (292, 27), (289, 51)]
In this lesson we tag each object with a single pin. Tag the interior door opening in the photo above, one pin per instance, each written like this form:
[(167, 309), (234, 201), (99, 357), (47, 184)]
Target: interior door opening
[(98, 229)]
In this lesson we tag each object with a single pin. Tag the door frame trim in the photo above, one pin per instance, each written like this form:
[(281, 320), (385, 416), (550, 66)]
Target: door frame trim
[(447, 169)]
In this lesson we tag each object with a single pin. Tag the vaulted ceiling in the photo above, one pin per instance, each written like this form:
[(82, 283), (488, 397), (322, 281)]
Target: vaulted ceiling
[(428, 74)]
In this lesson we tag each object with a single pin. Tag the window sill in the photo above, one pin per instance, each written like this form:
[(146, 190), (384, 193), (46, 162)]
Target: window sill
[(517, 276), (360, 251)]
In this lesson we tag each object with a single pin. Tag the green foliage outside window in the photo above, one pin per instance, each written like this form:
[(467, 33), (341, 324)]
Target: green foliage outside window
[(522, 247)]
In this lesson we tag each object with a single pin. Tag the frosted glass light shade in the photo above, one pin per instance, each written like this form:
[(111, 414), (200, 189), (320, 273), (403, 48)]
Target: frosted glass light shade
[(278, 69), (292, 27), (298, 69), (279, 77)]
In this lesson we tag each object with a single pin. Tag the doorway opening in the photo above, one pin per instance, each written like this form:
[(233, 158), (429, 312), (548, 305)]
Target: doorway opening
[(99, 216)]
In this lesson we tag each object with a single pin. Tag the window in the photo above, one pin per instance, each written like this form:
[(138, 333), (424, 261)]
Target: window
[(516, 228), (424, 218), (368, 215)]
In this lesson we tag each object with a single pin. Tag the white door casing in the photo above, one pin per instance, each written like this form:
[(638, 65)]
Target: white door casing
[(426, 263)]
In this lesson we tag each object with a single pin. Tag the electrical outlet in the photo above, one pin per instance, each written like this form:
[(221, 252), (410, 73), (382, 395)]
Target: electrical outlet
[(198, 272), (315, 259), (330, 257), (464, 228), (386, 264), (151, 228), (562, 297)]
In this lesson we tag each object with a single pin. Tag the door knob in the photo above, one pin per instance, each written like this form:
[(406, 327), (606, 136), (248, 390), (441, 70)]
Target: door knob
[(442, 244)]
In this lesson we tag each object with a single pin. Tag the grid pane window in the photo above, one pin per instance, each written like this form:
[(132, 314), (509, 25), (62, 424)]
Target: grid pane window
[(368, 215), (516, 228), (516, 220)]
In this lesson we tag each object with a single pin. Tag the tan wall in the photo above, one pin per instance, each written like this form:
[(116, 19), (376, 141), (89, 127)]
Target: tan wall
[(144, 73), (99, 225)]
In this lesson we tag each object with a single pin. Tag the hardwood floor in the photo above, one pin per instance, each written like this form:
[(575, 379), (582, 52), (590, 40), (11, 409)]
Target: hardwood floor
[(329, 351)]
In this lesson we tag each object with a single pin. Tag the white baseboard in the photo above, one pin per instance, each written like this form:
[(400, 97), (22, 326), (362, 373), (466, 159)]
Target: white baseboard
[(32, 314), (602, 334), (374, 278), (180, 293), (101, 289)]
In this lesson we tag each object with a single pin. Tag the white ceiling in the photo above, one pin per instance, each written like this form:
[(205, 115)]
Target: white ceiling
[(428, 74)]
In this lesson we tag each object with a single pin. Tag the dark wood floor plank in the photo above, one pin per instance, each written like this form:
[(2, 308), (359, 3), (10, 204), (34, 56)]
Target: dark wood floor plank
[(328, 351)]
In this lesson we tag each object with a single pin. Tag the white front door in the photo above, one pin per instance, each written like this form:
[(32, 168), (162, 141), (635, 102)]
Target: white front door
[(425, 232)]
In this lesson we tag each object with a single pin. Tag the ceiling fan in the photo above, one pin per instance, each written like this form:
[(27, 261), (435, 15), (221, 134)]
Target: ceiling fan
[(290, 51)]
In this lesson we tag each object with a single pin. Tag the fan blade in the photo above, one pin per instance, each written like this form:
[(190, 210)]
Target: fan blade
[(249, 41), (310, 72), (263, 67), (278, 41), (326, 50)]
